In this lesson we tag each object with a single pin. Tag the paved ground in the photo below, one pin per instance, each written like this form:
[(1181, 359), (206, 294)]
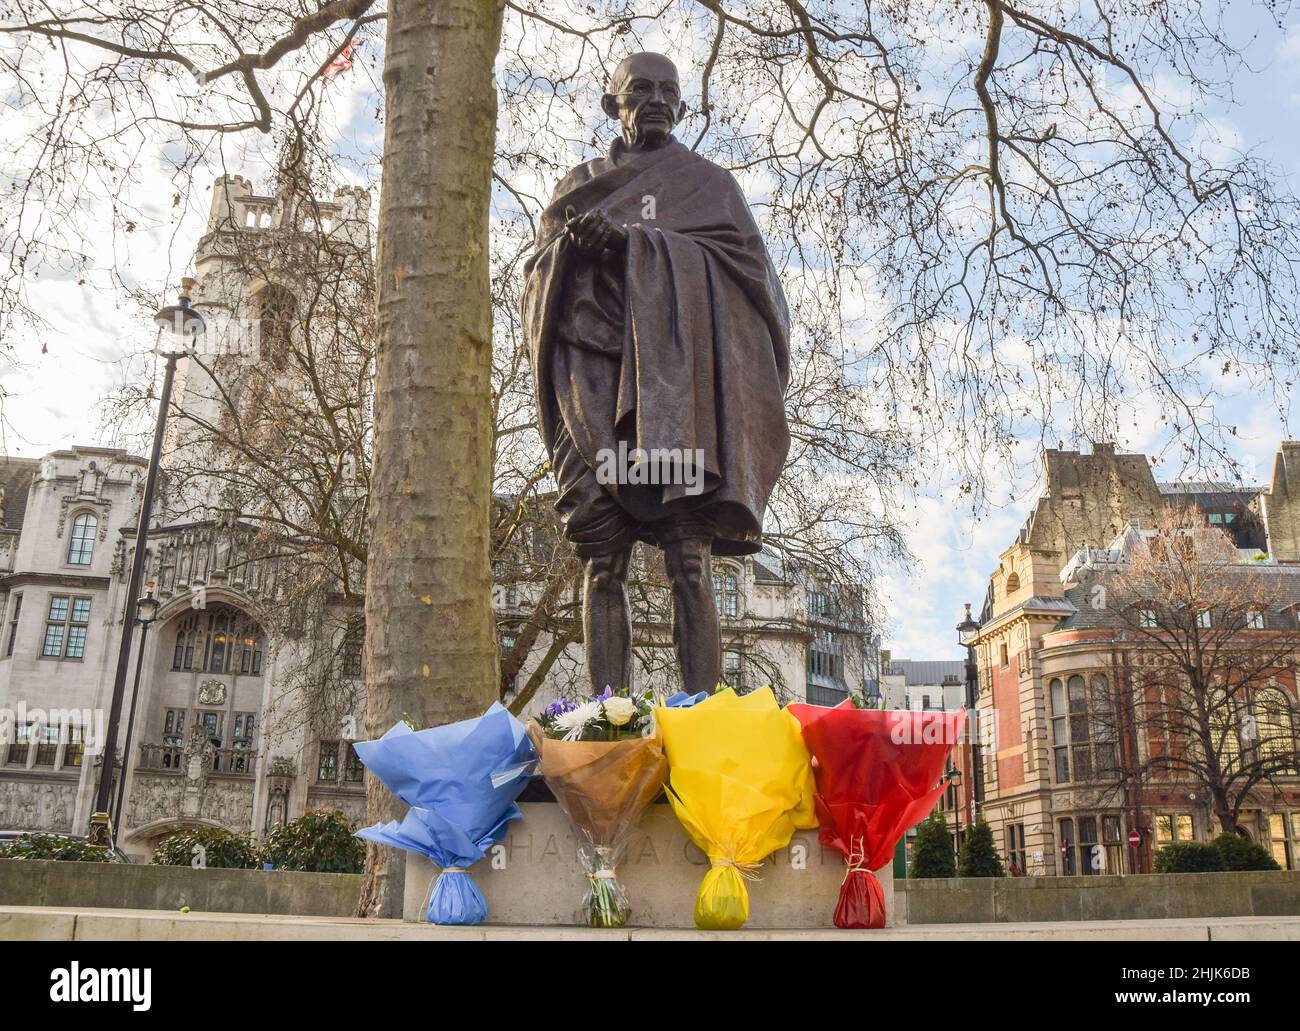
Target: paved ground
[(63, 924)]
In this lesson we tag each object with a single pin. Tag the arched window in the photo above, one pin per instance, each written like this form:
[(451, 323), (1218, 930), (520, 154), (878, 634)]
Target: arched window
[(1225, 730), (277, 315), (81, 545), (218, 640), (1013, 583), (1275, 728), (726, 590)]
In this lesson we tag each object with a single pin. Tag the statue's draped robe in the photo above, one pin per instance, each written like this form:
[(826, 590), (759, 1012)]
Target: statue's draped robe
[(682, 342)]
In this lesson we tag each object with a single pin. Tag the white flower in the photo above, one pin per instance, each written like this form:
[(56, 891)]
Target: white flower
[(575, 721), (619, 711)]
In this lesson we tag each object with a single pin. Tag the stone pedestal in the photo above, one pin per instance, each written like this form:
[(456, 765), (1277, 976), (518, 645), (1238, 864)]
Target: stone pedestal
[(533, 876)]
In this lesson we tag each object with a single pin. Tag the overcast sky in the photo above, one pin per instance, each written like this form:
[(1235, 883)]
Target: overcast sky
[(53, 399)]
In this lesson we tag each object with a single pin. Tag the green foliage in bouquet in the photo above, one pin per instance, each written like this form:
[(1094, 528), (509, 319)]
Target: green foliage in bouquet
[(215, 848), (932, 852), (1240, 853), (55, 846), (319, 841), (979, 858), (608, 716)]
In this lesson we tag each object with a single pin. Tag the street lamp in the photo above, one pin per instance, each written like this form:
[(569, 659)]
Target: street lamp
[(183, 322), (966, 631), (146, 611)]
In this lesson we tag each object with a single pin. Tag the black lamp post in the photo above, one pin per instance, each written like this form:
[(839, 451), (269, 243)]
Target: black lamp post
[(966, 631), (146, 611), (185, 323)]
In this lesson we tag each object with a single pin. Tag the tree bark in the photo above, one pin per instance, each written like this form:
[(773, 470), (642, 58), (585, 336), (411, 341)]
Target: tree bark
[(430, 640)]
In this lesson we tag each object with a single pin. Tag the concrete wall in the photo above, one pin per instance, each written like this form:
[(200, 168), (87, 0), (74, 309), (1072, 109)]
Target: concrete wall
[(961, 900), (34, 882), (533, 877)]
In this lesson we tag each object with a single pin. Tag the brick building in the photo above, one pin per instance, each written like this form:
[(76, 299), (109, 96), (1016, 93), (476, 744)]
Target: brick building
[(1045, 656)]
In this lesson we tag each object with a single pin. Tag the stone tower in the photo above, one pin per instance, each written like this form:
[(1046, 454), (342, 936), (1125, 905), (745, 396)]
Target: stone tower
[(1280, 504), (248, 267)]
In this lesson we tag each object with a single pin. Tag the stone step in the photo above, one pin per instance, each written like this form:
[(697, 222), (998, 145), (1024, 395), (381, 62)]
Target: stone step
[(37, 923)]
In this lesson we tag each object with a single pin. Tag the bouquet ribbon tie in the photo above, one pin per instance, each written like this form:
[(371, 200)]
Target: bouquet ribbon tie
[(749, 871)]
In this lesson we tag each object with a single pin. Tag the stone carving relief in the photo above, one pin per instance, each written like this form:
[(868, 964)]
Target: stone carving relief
[(152, 798), (352, 806), (37, 806), (230, 805), (212, 692)]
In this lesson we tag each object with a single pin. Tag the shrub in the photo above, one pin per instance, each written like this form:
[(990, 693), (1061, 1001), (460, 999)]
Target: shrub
[(1240, 853), (932, 852), (221, 849), (1188, 857), (319, 841), (55, 846), (979, 858)]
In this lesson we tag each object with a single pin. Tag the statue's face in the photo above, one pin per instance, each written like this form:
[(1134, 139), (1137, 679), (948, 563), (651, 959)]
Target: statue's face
[(646, 98)]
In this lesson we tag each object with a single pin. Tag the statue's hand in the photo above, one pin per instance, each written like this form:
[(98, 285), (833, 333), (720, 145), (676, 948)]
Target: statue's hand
[(594, 232)]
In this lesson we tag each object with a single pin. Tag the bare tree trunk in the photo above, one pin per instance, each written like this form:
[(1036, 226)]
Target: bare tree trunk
[(430, 639)]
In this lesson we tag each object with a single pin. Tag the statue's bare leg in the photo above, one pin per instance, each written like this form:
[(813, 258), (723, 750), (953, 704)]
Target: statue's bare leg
[(695, 615), (607, 621)]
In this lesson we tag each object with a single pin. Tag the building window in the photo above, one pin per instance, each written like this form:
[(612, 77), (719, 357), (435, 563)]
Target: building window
[(242, 742), (1147, 619), (1013, 583), (65, 627), (47, 744), (1254, 620), (825, 661), (76, 745), (327, 768), (81, 546), (277, 320), (173, 738), (820, 606), (353, 649), (1204, 620), (13, 625), (733, 667), (1083, 739), (726, 592), (21, 744), (1016, 849), (1092, 860), (1112, 840), (1004, 657), (1171, 827), (250, 658), (1067, 847), (1224, 723), (221, 639), (1060, 732), (1277, 840), (1275, 729), (354, 772)]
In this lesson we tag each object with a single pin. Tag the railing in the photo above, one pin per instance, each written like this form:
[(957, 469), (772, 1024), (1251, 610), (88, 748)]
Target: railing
[(237, 761)]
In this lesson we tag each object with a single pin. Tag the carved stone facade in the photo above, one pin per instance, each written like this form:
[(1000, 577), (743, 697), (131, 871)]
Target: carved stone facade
[(39, 805)]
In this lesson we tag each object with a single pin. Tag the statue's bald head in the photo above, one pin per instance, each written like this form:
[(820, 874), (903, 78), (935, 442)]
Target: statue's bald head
[(647, 65), (645, 95)]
